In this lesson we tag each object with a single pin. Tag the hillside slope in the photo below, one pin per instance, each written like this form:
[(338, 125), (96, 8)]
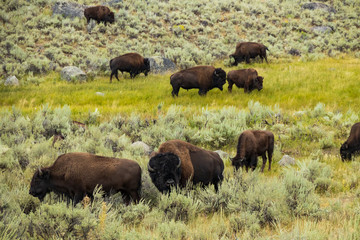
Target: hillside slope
[(34, 40)]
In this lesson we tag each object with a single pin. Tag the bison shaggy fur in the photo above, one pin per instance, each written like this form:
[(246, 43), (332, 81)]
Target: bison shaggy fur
[(245, 78), (352, 145), (203, 78), (99, 14), (178, 162), (76, 175), (246, 50), (251, 144), (132, 63)]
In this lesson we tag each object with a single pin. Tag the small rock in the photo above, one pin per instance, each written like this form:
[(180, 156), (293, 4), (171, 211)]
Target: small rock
[(141, 145), (71, 73), (322, 29), (113, 3), (286, 160), (161, 65), (11, 81), (322, 6), (69, 9), (100, 94), (222, 154)]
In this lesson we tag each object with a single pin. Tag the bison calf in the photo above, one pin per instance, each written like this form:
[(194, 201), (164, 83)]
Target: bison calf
[(203, 78), (247, 50), (178, 162), (99, 14), (245, 78), (352, 144), (251, 144), (77, 174), (132, 63)]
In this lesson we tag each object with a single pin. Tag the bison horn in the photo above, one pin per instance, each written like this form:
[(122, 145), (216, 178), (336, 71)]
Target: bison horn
[(179, 164), (150, 168)]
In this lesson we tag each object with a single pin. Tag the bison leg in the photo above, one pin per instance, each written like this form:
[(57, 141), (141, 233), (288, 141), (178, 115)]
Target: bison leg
[(247, 59), (77, 198), (135, 196), (230, 87), (270, 153), (126, 197), (202, 92), (264, 162), (175, 91), (253, 162)]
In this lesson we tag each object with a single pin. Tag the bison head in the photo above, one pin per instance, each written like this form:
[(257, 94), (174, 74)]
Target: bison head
[(40, 183), (345, 152), (165, 171), (237, 162), (146, 68), (110, 17), (258, 83), (219, 78)]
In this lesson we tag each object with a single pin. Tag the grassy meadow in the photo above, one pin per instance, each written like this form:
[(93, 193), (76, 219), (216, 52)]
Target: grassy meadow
[(309, 102), (291, 85)]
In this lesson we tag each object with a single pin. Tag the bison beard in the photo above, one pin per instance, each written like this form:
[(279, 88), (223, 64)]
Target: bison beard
[(76, 175), (352, 145), (167, 163)]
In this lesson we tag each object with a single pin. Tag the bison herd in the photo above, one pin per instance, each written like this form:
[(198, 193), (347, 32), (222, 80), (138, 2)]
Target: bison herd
[(175, 164), (203, 78)]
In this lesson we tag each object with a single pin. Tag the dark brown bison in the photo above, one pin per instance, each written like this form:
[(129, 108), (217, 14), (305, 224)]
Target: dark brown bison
[(251, 144), (178, 162), (204, 78), (99, 14), (247, 50), (352, 144), (77, 174), (132, 63), (245, 78)]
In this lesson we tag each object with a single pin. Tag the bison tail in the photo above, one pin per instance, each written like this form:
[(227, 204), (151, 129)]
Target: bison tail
[(266, 48)]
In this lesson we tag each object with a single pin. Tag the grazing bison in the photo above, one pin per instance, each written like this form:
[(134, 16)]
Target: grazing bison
[(132, 63), (99, 14), (77, 174), (178, 162), (352, 144), (245, 78), (204, 78), (247, 50), (251, 144)]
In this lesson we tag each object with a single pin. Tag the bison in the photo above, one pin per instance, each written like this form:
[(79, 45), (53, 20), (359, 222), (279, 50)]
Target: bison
[(99, 14), (247, 50), (245, 78), (352, 144), (203, 78), (132, 63), (178, 162), (251, 144), (77, 174)]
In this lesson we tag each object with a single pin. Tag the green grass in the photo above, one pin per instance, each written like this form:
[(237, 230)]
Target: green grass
[(290, 85)]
